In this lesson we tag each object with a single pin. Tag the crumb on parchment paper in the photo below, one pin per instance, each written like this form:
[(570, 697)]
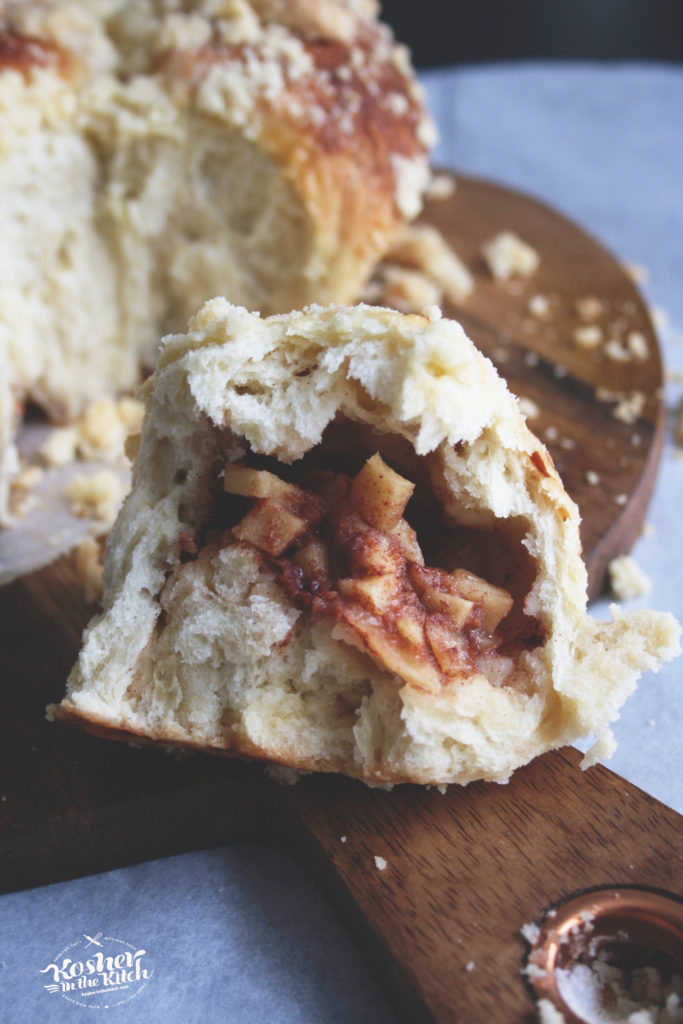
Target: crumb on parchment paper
[(548, 1013), (99, 434), (627, 579), (96, 494)]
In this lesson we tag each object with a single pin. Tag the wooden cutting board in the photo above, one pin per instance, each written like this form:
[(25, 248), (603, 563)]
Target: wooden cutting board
[(465, 870)]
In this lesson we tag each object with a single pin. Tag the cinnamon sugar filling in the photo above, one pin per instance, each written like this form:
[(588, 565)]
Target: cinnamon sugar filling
[(350, 550)]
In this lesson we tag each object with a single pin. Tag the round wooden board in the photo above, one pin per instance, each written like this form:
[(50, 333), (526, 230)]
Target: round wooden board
[(601, 418)]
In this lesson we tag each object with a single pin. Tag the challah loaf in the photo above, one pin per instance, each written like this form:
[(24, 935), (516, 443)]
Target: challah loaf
[(154, 154)]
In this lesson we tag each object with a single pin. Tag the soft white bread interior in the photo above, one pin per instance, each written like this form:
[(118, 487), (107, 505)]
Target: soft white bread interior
[(344, 551), (155, 154)]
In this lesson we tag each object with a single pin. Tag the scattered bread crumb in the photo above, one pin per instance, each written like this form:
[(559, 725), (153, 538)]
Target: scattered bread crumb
[(441, 186), (380, 863), (342, 839), (548, 1013), (627, 579), (614, 350), (28, 478), (634, 995), (588, 336), (421, 247), (60, 447), (408, 291), (636, 343), (100, 433), (507, 256), (589, 307), (530, 932), (592, 477), (98, 495), (539, 305), (637, 272), (660, 318), (634, 347), (470, 965), (628, 406), (22, 498)]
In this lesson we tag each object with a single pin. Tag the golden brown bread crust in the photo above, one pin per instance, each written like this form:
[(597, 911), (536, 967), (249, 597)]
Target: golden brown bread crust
[(194, 154), (238, 747), (337, 126), (337, 134)]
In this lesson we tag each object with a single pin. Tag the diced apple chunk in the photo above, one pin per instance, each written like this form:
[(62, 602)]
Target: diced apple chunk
[(445, 642), (377, 592), (414, 665), (407, 538), (258, 483), (374, 553), (270, 527), (437, 592), (380, 494), (411, 629), (456, 608), (495, 602), (312, 559)]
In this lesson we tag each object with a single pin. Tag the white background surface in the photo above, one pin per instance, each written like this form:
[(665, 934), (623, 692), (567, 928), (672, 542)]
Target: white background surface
[(240, 935)]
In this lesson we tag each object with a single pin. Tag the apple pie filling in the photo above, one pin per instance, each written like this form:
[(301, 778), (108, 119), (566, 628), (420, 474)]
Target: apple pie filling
[(344, 551)]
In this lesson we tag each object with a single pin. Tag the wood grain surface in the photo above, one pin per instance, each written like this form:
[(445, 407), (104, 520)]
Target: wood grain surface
[(464, 870)]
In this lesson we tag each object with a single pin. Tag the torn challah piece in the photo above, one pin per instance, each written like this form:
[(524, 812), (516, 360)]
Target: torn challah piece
[(344, 551), (154, 154)]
